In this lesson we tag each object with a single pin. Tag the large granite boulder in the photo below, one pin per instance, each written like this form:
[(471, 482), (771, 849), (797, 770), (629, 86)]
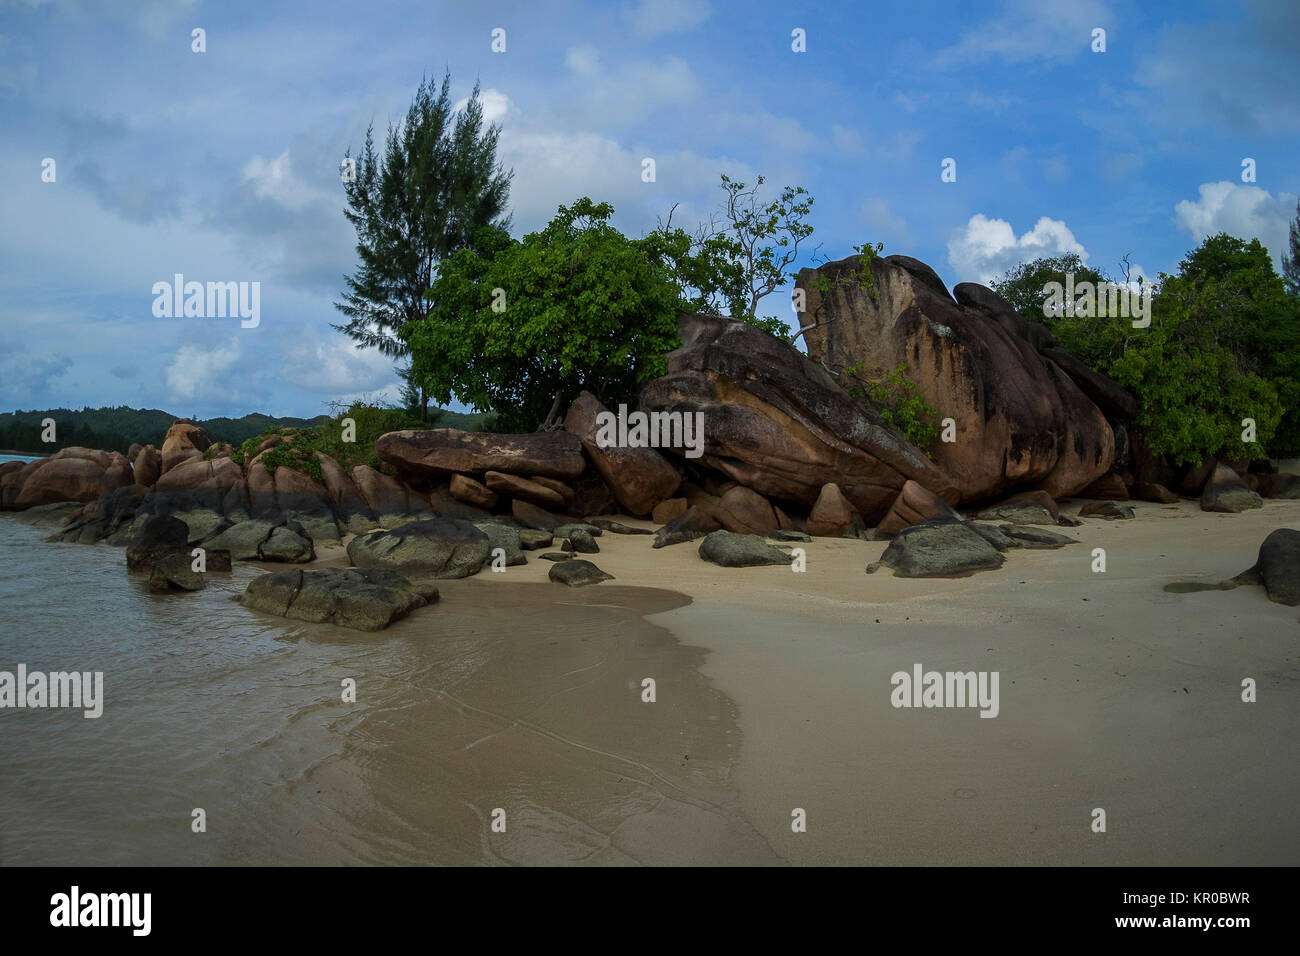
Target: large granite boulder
[(259, 539), (465, 489), (833, 515), (184, 440), (639, 478), (779, 424), (513, 486), (445, 451), (350, 508), (1026, 413), (107, 517), (432, 547), (160, 536), (71, 474), (365, 600), (147, 465), (389, 500)]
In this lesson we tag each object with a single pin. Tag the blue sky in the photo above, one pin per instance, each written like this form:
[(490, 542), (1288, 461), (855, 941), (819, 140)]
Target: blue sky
[(224, 165)]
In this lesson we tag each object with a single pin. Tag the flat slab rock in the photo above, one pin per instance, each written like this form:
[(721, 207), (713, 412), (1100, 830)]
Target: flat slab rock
[(363, 599)]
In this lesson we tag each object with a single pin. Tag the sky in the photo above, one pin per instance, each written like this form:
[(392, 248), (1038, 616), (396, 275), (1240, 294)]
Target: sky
[(223, 165)]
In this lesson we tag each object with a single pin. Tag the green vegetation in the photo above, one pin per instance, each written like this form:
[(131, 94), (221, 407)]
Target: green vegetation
[(1223, 346), (299, 446), (902, 407), (521, 326), (437, 184)]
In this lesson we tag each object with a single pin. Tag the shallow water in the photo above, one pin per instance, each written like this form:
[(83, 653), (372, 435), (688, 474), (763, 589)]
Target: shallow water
[(519, 697)]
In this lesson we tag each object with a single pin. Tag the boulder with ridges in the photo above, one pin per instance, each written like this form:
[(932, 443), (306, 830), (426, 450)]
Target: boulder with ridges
[(432, 547), (389, 500), (444, 451), (1022, 407), (577, 573), (366, 600), (512, 486), (465, 489), (779, 424), (638, 477), (184, 440), (345, 498), (68, 477)]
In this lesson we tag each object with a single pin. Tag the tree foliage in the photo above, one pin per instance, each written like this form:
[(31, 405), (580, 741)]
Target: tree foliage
[(521, 326), (437, 184)]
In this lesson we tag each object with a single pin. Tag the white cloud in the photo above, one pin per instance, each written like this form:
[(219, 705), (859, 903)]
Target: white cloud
[(496, 106), (335, 365), (204, 374), (1031, 30), (1240, 210), (274, 180), (986, 248), (583, 60), (652, 18)]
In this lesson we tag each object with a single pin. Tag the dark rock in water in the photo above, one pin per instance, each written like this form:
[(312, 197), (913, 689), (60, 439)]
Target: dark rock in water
[(364, 599), (1110, 510), (995, 537), (110, 514), (784, 534), (731, 550), (617, 527), (1278, 567), (1038, 538), (577, 573), (159, 536), (175, 572), (564, 530), (530, 539), (506, 538), (581, 542), (939, 547), (216, 560), (1225, 491), (57, 513), (434, 547), (695, 523), (557, 556), (262, 540)]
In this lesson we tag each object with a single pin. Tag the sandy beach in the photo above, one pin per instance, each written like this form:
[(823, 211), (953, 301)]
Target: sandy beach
[(1115, 694)]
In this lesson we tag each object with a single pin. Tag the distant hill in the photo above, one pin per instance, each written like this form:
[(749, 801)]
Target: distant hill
[(114, 429)]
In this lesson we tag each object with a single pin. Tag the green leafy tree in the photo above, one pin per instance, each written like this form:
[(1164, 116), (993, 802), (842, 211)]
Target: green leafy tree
[(521, 326), (902, 406), (437, 184), (742, 254)]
